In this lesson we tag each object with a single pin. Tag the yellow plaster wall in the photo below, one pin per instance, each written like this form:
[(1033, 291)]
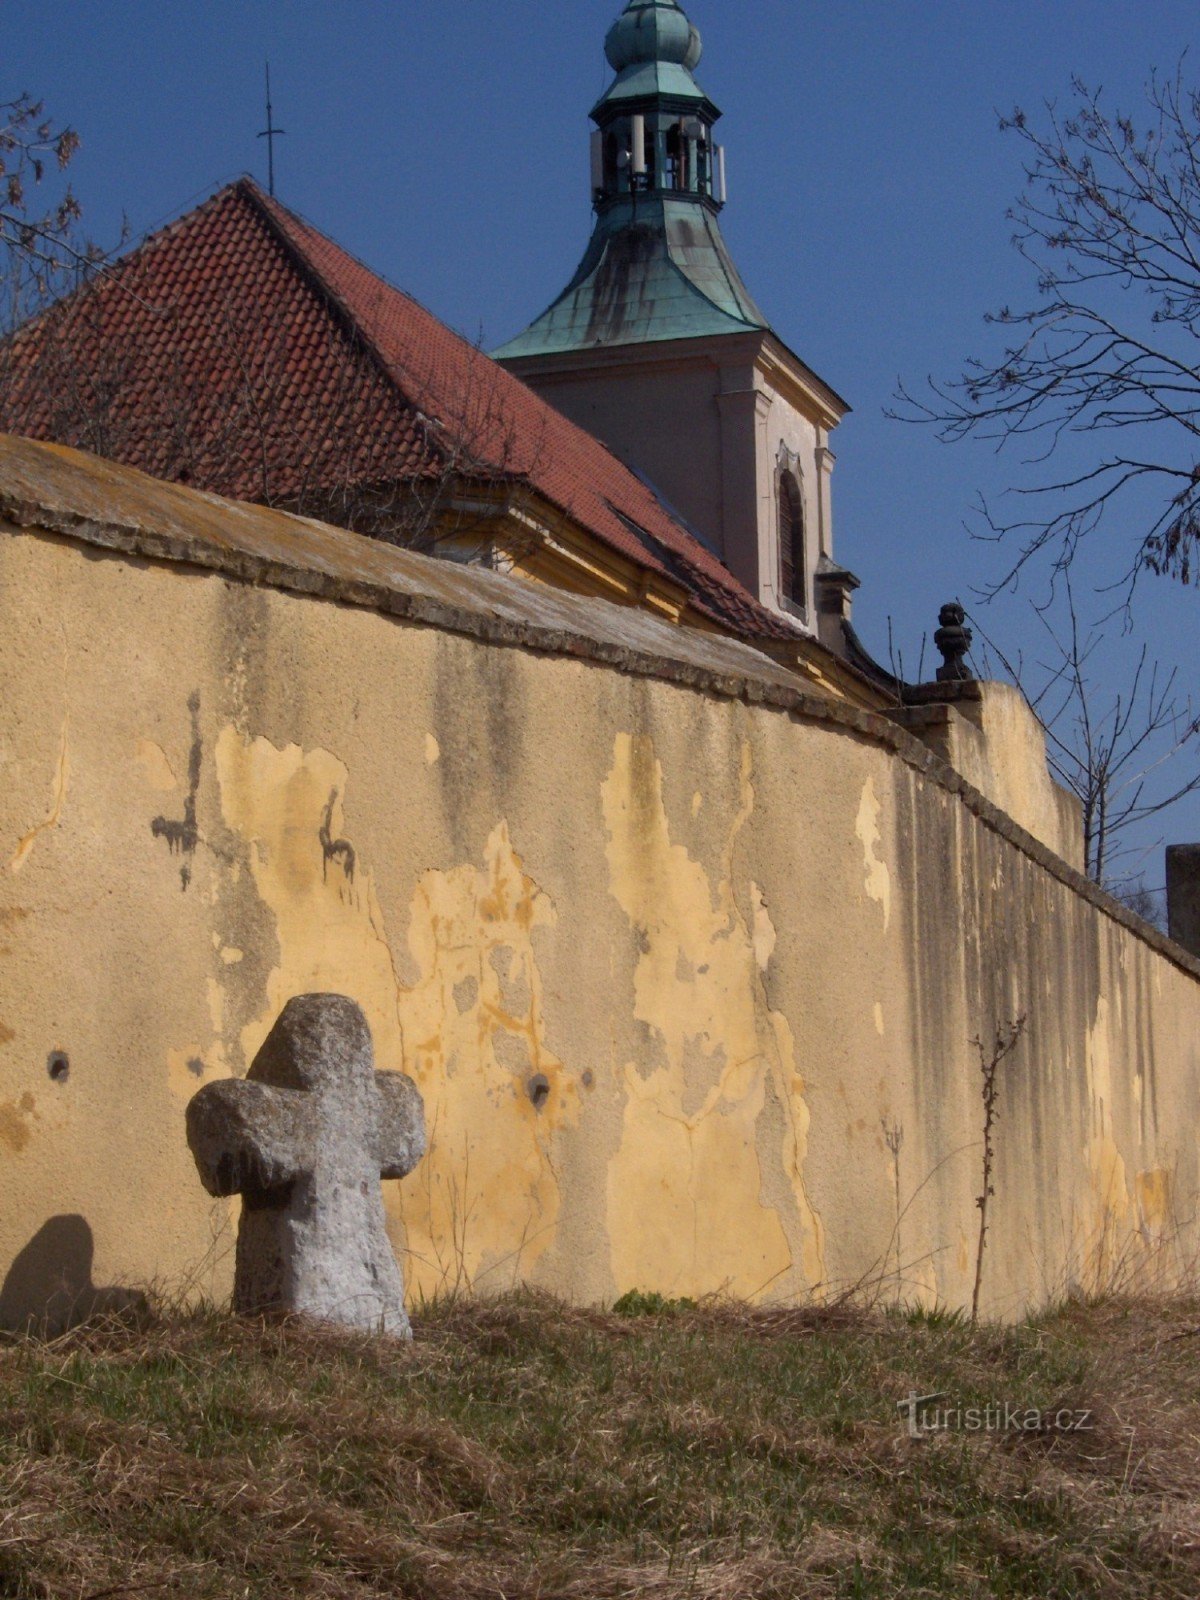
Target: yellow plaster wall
[(999, 746), (689, 985)]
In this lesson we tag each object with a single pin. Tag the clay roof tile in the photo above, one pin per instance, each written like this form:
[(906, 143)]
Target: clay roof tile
[(348, 366)]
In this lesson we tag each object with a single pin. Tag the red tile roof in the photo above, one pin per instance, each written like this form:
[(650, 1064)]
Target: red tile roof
[(242, 351)]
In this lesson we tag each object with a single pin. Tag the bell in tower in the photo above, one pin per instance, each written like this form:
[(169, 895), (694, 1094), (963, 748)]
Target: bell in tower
[(654, 126), (655, 345)]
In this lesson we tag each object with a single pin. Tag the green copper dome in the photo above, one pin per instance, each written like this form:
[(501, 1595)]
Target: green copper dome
[(652, 30), (653, 49), (661, 273)]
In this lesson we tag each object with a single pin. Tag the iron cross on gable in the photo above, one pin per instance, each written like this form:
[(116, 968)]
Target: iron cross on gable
[(305, 1139)]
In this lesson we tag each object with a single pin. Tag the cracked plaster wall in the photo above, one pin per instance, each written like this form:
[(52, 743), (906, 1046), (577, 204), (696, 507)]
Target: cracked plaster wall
[(688, 985)]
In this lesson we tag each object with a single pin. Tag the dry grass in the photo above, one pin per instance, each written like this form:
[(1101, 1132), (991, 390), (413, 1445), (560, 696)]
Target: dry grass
[(525, 1449)]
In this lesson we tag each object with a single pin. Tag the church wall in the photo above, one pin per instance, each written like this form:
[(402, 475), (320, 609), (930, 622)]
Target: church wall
[(988, 733), (636, 411), (688, 979), (721, 471)]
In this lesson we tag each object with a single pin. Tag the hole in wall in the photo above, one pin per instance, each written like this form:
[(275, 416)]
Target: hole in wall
[(539, 1090), (58, 1066)]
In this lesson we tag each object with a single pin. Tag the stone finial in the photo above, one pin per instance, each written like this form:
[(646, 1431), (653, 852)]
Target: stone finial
[(953, 640), (305, 1139)]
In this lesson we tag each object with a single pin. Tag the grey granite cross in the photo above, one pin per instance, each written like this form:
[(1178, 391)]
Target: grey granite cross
[(305, 1139)]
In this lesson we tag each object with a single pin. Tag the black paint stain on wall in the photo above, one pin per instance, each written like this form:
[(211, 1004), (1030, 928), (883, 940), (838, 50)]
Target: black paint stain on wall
[(181, 833), (339, 850)]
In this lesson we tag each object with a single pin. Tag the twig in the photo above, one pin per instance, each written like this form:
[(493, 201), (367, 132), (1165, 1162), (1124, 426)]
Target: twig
[(1004, 1044)]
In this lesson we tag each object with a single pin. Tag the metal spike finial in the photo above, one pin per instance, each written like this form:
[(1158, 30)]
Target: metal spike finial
[(270, 133)]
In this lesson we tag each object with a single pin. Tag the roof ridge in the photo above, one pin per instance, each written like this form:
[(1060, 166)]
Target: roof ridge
[(111, 270), (267, 206)]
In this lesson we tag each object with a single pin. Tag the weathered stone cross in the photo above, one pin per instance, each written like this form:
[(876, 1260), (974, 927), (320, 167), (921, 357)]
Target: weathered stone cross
[(305, 1139)]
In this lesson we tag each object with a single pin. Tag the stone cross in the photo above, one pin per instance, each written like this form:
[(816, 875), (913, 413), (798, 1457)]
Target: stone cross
[(305, 1139)]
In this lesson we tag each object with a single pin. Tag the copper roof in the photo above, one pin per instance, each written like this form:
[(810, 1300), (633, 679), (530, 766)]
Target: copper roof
[(242, 351)]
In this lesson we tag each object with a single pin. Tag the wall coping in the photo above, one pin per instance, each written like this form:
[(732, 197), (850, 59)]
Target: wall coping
[(51, 490)]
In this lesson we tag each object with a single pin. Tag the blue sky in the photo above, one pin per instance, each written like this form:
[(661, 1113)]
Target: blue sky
[(446, 144)]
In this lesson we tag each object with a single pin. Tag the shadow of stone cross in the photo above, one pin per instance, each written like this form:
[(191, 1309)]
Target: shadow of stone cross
[(304, 1138)]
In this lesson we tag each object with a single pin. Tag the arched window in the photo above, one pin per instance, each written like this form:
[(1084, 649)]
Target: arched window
[(792, 574)]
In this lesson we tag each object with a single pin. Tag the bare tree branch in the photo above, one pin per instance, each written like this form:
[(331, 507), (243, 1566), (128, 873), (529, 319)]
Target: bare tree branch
[(1112, 751), (40, 251), (1109, 222)]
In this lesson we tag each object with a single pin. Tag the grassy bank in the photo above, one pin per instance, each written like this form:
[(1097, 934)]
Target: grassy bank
[(524, 1449)]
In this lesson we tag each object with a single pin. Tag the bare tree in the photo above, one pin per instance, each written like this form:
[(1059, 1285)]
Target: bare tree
[(1109, 221), (39, 247), (1118, 753)]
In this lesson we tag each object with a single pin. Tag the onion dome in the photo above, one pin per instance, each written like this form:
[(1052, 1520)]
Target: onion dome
[(652, 30)]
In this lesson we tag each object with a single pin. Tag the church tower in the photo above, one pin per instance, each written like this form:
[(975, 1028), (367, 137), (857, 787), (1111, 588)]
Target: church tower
[(656, 347)]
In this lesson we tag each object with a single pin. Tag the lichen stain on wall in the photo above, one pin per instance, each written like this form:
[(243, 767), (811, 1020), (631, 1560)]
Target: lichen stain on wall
[(483, 1206), (58, 799), (866, 826), (470, 1029), (690, 1199)]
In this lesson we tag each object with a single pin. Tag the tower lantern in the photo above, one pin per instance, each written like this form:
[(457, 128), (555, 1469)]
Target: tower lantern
[(654, 125)]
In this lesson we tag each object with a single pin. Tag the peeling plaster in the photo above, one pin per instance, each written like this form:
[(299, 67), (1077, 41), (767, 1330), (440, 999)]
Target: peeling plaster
[(58, 798), (329, 925), (156, 769), (663, 1227), (764, 929), (15, 1119), (484, 1203), (879, 879), (1156, 1201), (1109, 1202)]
